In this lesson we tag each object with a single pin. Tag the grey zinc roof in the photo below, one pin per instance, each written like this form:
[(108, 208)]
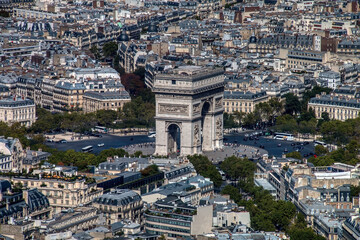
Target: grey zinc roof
[(243, 95), (329, 100), (71, 86), (119, 197), (15, 102), (108, 95)]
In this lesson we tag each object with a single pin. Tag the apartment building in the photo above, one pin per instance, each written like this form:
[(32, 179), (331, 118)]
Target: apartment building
[(63, 193), (18, 205), (120, 204), (348, 47), (236, 101), (329, 79), (175, 219), (301, 58), (338, 107), (130, 53), (271, 43), (74, 220), (94, 101), (16, 109), (11, 154), (351, 228), (68, 96), (64, 94)]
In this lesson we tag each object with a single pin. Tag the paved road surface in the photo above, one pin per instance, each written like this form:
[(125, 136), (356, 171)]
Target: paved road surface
[(111, 141)]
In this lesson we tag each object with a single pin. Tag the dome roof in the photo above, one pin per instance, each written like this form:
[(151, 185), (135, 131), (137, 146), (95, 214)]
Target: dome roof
[(153, 28), (123, 37), (4, 185), (252, 39)]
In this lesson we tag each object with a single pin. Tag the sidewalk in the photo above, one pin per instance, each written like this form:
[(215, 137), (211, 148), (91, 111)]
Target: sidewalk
[(68, 136)]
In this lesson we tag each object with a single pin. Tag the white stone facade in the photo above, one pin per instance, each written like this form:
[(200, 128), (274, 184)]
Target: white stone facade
[(189, 99)]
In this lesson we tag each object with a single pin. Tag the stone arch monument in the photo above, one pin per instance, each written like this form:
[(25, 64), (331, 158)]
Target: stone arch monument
[(189, 110)]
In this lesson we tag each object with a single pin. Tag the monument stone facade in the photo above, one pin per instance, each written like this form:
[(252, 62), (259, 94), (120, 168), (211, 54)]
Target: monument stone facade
[(189, 110)]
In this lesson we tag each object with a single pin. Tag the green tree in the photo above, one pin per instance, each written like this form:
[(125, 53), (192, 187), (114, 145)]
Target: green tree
[(320, 150), (251, 119), (295, 154), (233, 192), (286, 123), (110, 49), (137, 113), (106, 117), (277, 107), (204, 167), (229, 121), (150, 170), (354, 191), (308, 126), (140, 71), (94, 50), (239, 168), (292, 104)]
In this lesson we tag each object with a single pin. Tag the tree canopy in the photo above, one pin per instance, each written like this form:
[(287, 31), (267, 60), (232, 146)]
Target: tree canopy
[(205, 168), (110, 49)]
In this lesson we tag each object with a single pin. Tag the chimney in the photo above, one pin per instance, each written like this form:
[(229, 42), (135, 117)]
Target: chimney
[(40, 150)]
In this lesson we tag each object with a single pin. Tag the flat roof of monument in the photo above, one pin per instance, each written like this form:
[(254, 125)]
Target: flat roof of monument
[(190, 73)]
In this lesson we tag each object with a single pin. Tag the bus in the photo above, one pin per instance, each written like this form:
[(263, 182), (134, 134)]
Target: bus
[(100, 129), (320, 143), (284, 136), (87, 149)]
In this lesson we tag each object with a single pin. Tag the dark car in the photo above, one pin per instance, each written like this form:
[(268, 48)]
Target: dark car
[(306, 143), (292, 144)]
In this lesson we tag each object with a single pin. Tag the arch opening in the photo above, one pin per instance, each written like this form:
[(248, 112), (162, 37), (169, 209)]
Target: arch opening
[(206, 127), (174, 137)]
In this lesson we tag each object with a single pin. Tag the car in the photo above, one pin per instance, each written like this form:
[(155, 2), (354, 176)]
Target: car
[(101, 144), (262, 146), (279, 145), (285, 150), (63, 141), (306, 155), (292, 144), (50, 140), (306, 143), (245, 138), (311, 154), (298, 143)]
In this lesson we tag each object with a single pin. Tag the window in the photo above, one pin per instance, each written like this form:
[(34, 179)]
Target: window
[(173, 82)]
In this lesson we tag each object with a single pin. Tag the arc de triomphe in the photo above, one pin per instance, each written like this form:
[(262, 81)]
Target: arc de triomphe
[(189, 110)]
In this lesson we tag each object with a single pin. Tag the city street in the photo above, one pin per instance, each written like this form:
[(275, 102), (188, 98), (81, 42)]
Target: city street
[(135, 143)]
